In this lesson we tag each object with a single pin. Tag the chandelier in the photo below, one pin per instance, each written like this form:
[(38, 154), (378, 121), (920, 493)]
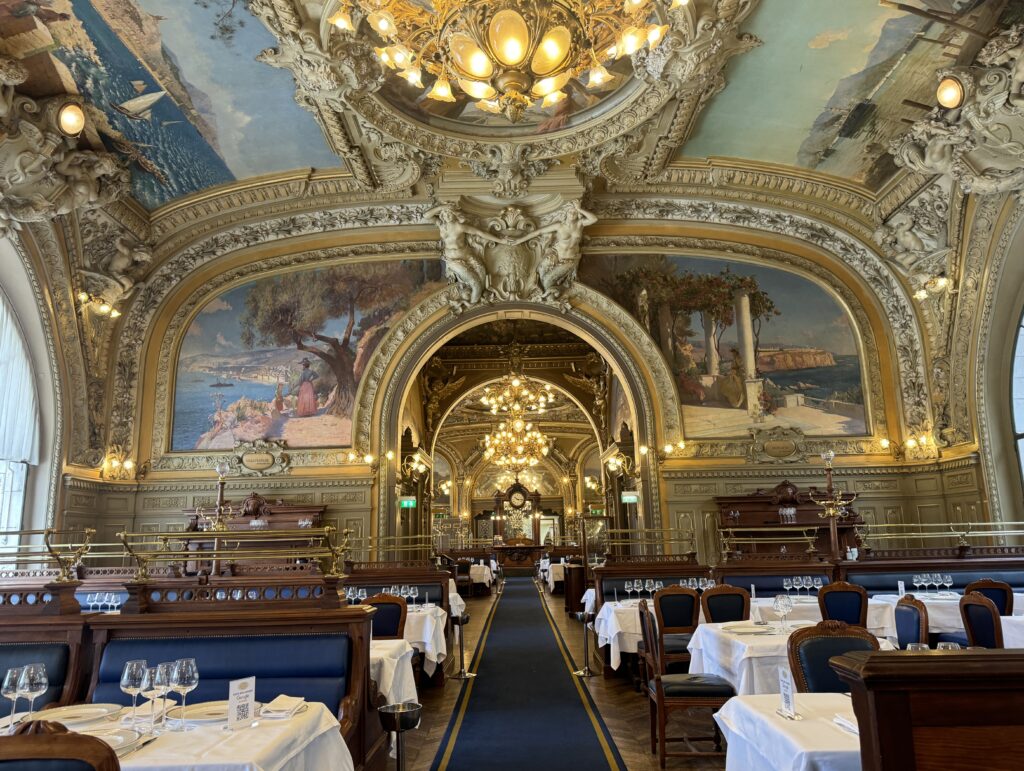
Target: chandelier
[(504, 54), (515, 394), (515, 445)]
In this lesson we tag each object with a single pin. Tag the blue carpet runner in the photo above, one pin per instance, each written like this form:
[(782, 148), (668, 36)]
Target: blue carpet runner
[(525, 708)]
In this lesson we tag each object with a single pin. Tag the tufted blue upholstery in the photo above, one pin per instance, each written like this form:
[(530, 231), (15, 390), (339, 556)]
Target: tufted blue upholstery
[(315, 667), (386, 620), (885, 583), (53, 655), (54, 764), (1001, 596), (609, 585), (982, 625), (726, 607), (908, 625), (813, 655), (766, 586), (843, 606)]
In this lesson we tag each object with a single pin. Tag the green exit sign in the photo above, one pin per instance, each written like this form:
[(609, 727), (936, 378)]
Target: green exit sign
[(630, 496), (407, 502), (596, 511)]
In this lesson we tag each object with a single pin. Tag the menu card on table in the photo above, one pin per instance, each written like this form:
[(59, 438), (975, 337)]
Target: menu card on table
[(901, 588), (787, 708), (241, 702)]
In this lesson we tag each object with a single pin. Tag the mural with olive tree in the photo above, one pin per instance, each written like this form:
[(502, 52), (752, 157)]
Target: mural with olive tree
[(750, 346), (281, 357)]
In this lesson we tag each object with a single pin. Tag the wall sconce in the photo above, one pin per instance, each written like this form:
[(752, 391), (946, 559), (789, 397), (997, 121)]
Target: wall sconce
[(98, 305), (950, 93), (356, 458), (673, 450), (934, 285), (71, 119), (117, 465)]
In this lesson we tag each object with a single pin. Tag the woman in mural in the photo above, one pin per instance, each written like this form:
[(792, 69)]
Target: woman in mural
[(307, 405)]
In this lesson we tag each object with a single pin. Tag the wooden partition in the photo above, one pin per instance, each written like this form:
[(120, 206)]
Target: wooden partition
[(623, 567), (378, 574), (940, 711)]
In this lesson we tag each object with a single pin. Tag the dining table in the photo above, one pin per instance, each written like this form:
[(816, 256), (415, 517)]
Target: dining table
[(1013, 630), (617, 625), (556, 572), (310, 739), (823, 739), (425, 627), (481, 574), (391, 670), (881, 615), (456, 605), (944, 609), (748, 655)]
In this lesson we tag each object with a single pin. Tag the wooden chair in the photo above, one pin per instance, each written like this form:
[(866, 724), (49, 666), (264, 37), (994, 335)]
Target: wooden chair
[(678, 612), (1000, 592), (981, 620), (389, 620), (810, 649), (668, 693), (911, 621), (463, 579), (842, 601), (725, 603), (44, 746)]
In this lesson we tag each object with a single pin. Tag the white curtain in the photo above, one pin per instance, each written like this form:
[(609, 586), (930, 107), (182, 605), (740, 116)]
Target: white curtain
[(19, 405)]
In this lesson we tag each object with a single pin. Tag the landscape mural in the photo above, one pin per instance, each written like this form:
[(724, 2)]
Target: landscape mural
[(172, 87), (866, 59), (281, 357), (801, 367)]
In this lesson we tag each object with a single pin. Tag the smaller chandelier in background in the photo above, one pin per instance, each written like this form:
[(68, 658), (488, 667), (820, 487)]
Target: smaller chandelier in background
[(515, 394), (515, 445), (505, 55)]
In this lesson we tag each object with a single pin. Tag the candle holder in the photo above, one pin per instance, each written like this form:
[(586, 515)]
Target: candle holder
[(834, 503)]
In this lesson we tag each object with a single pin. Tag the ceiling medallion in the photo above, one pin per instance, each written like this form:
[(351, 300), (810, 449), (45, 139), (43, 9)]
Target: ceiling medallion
[(508, 54)]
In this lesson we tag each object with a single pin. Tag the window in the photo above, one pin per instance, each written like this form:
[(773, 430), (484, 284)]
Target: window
[(1017, 395), (19, 419)]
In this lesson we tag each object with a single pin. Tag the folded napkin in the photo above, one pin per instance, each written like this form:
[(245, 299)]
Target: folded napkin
[(282, 706), (846, 723), (147, 711)]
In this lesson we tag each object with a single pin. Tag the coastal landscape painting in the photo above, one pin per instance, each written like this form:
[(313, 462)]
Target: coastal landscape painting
[(171, 86), (749, 346), (281, 357)]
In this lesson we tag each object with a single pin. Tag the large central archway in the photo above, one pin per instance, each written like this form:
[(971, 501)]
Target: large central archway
[(647, 382)]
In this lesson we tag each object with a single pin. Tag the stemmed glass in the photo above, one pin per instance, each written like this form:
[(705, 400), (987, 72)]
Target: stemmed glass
[(152, 693), (161, 685), (947, 581), (787, 584), (414, 592), (808, 584), (90, 601), (658, 586), (628, 586), (32, 684), (404, 592), (693, 583), (937, 578), (133, 682), (184, 679), (916, 581), (817, 583), (649, 587), (783, 605), (361, 594), (10, 691)]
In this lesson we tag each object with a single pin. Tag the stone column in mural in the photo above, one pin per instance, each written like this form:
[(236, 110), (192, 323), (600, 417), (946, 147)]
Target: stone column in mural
[(754, 386), (711, 359)]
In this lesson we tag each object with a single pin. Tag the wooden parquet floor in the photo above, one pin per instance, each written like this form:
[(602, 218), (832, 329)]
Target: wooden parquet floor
[(623, 707)]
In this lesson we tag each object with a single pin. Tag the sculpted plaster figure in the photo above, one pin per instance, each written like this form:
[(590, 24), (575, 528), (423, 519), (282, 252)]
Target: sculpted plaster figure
[(462, 261)]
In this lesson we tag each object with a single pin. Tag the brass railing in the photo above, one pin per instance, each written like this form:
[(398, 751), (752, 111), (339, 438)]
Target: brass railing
[(650, 540), (778, 537), (399, 547), (66, 553), (960, 532)]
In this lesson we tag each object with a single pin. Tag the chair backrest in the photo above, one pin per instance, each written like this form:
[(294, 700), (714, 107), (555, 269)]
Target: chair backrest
[(652, 651), (725, 603), (810, 649), (842, 601), (981, 621), (677, 609), (314, 666), (1000, 592), (53, 655), (911, 621), (44, 746), (389, 620), (461, 568)]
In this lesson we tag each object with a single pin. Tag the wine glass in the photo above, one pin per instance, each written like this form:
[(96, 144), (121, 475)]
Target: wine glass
[(32, 684), (918, 647), (649, 587), (184, 679), (133, 678), (947, 646), (947, 581), (783, 605), (916, 581), (404, 592), (161, 684), (694, 584), (817, 583), (658, 586), (10, 691), (787, 584), (152, 693), (808, 584), (361, 594), (937, 578), (90, 601), (414, 592), (628, 586)]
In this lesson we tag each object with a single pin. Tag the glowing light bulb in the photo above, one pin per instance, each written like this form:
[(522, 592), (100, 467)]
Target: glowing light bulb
[(115, 463), (884, 443), (129, 465), (413, 75), (442, 91), (384, 55), (655, 34), (678, 4), (71, 119), (681, 445), (921, 294), (341, 20), (83, 297), (512, 49), (911, 443), (668, 449), (368, 458), (950, 93), (598, 76), (114, 313), (351, 457), (631, 41), (552, 48), (390, 455), (479, 64), (383, 22), (550, 101), (104, 308), (643, 449)]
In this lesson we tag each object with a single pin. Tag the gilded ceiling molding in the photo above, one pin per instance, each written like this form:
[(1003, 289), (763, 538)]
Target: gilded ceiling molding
[(40, 292), (138, 317), (898, 307), (875, 406)]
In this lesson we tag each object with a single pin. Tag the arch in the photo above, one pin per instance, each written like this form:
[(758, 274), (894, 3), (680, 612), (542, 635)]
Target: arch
[(650, 389)]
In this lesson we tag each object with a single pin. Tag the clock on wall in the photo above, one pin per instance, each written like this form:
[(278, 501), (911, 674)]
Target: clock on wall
[(516, 496)]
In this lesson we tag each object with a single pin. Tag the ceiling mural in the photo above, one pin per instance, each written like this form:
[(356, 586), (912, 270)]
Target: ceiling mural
[(786, 356), (825, 91), (171, 88), (281, 357)]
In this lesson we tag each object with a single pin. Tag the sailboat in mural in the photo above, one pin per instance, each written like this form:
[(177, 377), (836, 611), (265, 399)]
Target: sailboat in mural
[(139, 107)]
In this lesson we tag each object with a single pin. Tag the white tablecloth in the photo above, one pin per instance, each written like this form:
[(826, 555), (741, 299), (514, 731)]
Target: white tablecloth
[(456, 604), (391, 670), (589, 598), (556, 572), (307, 741), (750, 662), (944, 610), (1013, 630), (425, 630), (618, 626), (881, 615), (761, 740), (480, 574)]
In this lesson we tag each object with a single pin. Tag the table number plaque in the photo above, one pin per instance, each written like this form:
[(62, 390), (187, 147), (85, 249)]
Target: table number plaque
[(787, 707), (241, 702), (901, 588)]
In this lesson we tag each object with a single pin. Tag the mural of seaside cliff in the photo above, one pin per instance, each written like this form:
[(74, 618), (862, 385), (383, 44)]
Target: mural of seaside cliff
[(749, 346), (281, 357), (173, 87), (866, 59)]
